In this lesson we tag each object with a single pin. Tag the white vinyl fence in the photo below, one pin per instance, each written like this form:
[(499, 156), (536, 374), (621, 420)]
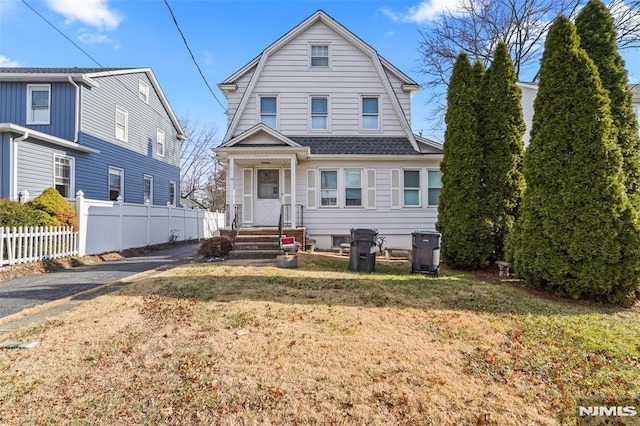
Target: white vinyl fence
[(107, 226), (31, 244), (114, 225)]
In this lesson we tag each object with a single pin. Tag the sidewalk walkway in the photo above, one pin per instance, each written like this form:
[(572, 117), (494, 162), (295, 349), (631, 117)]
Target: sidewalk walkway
[(39, 291)]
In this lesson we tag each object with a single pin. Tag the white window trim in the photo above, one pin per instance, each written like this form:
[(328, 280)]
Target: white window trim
[(379, 128), (420, 182), (344, 187), (30, 89), (160, 132), (150, 178), (277, 114), (72, 177), (175, 193), (143, 85), (126, 123), (121, 171), (431, 169), (328, 98), (338, 185), (320, 43)]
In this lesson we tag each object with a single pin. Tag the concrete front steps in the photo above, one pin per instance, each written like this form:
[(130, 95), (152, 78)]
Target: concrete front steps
[(260, 243)]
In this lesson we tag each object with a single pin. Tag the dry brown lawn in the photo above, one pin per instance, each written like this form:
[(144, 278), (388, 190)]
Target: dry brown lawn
[(253, 344)]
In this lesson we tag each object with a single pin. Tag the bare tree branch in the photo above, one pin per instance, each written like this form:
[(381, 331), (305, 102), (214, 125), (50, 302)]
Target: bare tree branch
[(197, 161), (477, 25)]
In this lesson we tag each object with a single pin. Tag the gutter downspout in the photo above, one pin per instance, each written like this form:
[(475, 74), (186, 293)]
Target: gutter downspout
[(77, 119), (14, 165)]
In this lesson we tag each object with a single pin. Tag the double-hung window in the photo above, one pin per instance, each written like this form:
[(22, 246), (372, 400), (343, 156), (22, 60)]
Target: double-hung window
[(329, 188), (160, 142), (38, 103), (370, 113), (319, 113), (353, 187), (63, 175), (411, 187), (122, 124), (172, 193), (116, 183), (435, 186), (269, 111), (319, 55), (147, 189), (143, 91)]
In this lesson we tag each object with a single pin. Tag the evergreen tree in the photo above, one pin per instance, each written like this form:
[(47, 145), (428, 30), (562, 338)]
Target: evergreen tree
[(597, 32), (577, 233), (465, 232), (501, 127)]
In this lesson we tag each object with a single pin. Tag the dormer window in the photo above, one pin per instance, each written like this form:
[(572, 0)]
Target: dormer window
[(320, 55)]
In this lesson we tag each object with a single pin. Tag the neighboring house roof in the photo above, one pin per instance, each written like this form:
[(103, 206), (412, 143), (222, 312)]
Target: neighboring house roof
[(14, 128), (87, 76), (379, 63)]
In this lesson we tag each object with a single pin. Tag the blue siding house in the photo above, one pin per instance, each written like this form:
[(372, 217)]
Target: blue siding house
[(109, 132)]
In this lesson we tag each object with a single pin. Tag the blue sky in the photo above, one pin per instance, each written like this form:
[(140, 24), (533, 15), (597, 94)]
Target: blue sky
[(223, 34)]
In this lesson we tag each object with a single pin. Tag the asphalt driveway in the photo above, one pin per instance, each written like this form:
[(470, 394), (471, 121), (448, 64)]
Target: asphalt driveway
[(26, 293)]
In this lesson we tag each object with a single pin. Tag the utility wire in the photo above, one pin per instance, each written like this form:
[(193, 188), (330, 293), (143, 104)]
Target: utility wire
[(162, 117), (62, 34), (175, 21)]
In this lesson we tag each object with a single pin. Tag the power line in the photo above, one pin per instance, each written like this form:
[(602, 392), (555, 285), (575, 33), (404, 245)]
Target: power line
[(175, 21), (62, 34), (162, 117)]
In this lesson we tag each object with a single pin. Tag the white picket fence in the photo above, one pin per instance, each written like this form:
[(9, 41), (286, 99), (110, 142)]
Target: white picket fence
[(32, 244)]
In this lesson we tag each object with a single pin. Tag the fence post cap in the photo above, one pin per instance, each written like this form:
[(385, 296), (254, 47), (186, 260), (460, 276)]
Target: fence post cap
[(79, 194), (147, 202), (120, 199)]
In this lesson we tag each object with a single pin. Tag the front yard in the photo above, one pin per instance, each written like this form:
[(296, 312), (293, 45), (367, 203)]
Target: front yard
[(230, 344)]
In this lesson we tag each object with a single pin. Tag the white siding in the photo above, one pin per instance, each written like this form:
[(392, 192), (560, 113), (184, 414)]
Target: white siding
[(528, 97), (352, 73), (395, 224)]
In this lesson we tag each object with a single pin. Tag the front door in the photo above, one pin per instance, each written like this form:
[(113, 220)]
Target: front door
[(268, 197)]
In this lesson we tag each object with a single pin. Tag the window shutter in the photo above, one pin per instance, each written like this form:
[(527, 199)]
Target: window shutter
[(395, 189), (247, 195), (311, 189), (371, 189)]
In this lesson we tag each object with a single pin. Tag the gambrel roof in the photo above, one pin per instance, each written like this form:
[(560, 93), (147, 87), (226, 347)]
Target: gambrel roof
[(382, 66)]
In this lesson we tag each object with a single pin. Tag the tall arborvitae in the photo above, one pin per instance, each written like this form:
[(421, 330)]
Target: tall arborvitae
[(501, 127), (597, 33), (460, 220), (577, 233)]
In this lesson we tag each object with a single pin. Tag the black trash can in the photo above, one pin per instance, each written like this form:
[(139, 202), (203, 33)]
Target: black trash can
[(362, 253), (425, 256)]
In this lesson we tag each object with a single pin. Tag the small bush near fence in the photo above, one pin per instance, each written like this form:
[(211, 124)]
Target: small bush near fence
[(54, 204), (215, 247), (12, 213)]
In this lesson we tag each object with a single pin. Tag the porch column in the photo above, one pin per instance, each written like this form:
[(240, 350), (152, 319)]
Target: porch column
[(293, 191), (230, 192)]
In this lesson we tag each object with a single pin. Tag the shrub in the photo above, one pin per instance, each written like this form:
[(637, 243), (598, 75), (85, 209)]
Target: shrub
[(215, 247), (12, 213), (54, 204)]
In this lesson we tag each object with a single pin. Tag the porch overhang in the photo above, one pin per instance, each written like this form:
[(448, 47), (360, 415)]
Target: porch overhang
[(245, 156)]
